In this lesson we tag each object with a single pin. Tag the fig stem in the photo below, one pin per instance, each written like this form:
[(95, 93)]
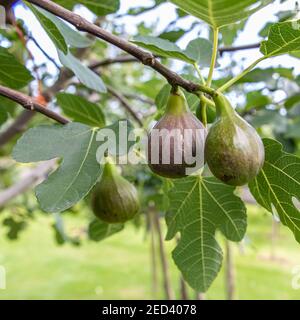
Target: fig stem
[(223, 106), (109, 169), (214, 56), (206, 100), (204, 116), (210, 74), (199, 73), (241, 75), (177, 104)]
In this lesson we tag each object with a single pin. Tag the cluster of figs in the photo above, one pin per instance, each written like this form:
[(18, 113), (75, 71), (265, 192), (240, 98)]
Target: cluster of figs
[(232, 150)]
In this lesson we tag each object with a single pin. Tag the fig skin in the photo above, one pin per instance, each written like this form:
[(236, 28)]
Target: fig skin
[(177, 116), (114, 200), (233, 150)]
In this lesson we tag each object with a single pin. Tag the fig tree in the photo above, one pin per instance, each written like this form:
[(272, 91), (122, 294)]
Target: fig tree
[(114, 200), (233, 150), (176, 142)]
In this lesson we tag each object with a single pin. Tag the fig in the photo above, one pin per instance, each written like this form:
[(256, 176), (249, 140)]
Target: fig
[(114, 200), (176, 142), (233, 150)]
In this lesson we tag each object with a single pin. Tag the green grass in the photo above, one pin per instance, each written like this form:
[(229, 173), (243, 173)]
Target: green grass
[(120, 268)]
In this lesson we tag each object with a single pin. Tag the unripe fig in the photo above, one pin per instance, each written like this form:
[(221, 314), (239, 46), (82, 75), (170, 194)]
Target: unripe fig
[(233, 150), (176, 142), (114, 199)]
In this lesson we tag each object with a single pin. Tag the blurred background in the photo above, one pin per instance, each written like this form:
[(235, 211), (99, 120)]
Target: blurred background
[(61, 256)]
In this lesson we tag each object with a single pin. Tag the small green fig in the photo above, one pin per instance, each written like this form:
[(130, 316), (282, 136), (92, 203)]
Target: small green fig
[(176, 140), (114, 199), (233, 150)]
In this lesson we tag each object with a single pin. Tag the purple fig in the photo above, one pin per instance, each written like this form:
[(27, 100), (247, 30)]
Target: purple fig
[(176, 142)]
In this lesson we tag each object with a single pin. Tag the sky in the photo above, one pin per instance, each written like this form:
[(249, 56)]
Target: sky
[(159, 16)]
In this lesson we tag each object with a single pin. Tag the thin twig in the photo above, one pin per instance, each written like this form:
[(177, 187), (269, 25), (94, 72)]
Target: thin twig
[(18, 126), (239, 48), (128, 59), (229, 272), (146, 58), (30, 37), (164, 263), (109, 61), (31, 177), (125, 104), (31, 104), (139, 98)]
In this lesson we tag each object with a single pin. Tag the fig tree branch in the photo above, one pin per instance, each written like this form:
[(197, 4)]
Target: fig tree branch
[(30, 178), (18, 126), (129, 59), (125, 104), (146, 58), (239, 48), (30, 37), (31, 104)]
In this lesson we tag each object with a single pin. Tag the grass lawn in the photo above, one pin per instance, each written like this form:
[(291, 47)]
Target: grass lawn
[(119, 267)]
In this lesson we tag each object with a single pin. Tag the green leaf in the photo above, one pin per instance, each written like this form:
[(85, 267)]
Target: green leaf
[(255, 99), (292, 100), (198, 207), (293, 130), (200, 50), (231, 32), (99, 230), (71, 36), (50, 28), (100, 8), (81, 110), (222, 12), (295, 54), (162, 48), (83, 73), (75, 143), (173, 35), (269, 117), (12, 73), (162, 97), (277, 184), (14, 225), (284, 37)]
